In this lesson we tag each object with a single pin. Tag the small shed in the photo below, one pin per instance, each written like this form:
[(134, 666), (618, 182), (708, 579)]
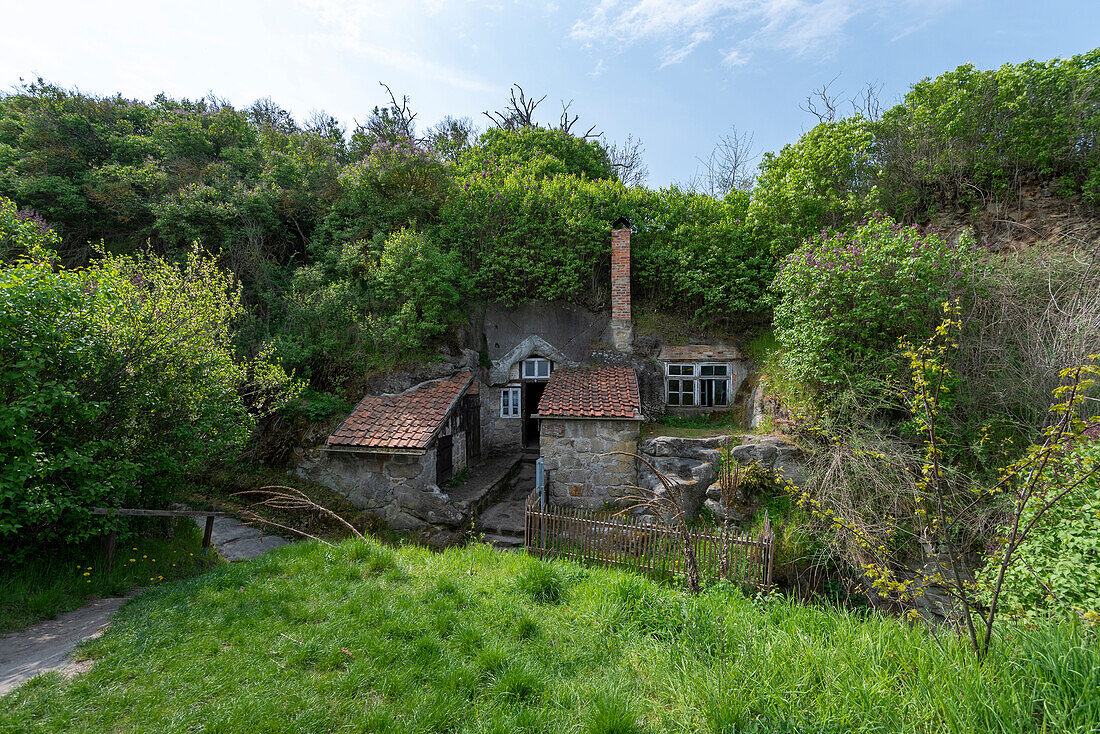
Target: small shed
[(586, 414), (414, 440)]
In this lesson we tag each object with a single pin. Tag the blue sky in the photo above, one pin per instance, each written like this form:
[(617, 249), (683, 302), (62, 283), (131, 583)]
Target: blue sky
[(675, 74)]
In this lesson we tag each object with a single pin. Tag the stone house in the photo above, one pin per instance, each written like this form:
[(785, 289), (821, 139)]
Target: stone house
[(586, 415), (393, 453), (556, 380)]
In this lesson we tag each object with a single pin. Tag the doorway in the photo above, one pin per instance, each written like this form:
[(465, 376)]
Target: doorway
[(532, 393), (444, 459)]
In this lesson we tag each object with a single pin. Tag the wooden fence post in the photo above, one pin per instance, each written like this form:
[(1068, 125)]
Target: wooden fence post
[(208, 532), (109, 549), (767, 540)]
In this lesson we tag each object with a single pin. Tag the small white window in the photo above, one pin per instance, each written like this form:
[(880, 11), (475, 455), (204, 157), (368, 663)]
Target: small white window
[(509, 402), (536, 368), (681, 392)]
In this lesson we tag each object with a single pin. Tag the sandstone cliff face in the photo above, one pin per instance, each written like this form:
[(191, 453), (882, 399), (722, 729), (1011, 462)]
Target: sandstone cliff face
[(692, 463)]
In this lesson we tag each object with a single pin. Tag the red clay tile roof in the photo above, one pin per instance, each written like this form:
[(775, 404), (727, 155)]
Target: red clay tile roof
[(406, 421), (699, 353), (591, 392)]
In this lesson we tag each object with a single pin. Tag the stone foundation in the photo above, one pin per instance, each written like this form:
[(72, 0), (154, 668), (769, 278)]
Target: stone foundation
[(576, 473)]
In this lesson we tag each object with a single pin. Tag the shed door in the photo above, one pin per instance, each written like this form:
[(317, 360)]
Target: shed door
[(472, 420), (444, 459)]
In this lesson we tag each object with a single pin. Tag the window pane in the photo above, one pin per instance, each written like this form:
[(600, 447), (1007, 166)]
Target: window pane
[(544, 368), (674, 369), (707, 369), (688, 399), (721, 392), (674, 398), (721, 369)]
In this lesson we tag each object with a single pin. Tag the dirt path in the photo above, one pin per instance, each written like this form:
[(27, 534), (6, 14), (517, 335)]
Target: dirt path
[(49, 645)]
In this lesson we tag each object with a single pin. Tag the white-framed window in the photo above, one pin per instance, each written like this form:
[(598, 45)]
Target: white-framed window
[(509, 402), (705, 385), (536, 368), (714, 385), (680, 385)]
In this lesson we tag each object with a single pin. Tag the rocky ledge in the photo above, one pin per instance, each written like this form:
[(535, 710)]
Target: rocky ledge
[(692, 463)]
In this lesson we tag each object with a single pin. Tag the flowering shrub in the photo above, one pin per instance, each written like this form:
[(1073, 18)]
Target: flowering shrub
[(844, 300)]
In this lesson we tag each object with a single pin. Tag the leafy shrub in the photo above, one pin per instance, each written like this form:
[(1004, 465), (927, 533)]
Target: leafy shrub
[(545, 151), (970, 131), (317, 406), (366, 307), (1057, 569), (825, 180), (116, 379), (844, 301)]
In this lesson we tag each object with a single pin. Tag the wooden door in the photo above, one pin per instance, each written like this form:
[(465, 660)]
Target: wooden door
[(444, 459), (472, 421)]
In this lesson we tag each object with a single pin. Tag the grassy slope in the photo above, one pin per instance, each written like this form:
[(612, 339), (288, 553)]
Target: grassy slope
[(360, 637), (41, 588)]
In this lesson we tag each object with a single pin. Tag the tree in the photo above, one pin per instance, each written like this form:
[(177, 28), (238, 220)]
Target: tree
[(451, 137), (628, 160), (727, 168), (394, 123), (117, 379)]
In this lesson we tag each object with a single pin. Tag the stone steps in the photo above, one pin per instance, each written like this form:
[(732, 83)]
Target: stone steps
[(503, 542)]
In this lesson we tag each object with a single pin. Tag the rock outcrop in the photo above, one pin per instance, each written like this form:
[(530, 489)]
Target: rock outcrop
[(692, 464)]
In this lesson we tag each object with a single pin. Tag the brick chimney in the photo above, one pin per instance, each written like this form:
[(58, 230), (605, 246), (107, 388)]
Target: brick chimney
[(622, 332)]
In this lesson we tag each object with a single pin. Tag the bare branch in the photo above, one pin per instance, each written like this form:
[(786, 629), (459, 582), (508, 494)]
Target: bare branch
[(822, 103)]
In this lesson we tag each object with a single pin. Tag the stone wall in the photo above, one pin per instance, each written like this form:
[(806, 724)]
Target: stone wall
[(399, 488), (576, 474), (498, 434)]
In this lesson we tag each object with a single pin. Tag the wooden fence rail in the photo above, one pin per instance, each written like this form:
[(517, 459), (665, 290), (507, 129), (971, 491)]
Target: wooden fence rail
[(638, 542)]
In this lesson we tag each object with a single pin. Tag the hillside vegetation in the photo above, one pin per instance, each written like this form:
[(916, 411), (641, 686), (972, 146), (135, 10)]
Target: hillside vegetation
[(315, 223), (365, 638), (176, 272)]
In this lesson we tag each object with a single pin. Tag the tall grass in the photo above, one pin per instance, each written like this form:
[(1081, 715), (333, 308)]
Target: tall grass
[(47, 585), (360, 637)]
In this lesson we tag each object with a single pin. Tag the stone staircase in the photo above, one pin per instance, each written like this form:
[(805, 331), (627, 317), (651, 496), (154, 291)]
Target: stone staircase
[(501, 524)]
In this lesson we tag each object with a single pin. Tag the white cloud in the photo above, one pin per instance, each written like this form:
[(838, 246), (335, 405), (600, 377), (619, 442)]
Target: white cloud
[(369, 29), (598, 69), (734, 58), (801, 27)]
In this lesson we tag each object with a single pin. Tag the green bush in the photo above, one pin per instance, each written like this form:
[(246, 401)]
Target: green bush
[(844, 301), (969, 132), (1056, 571), (825, 180), (368, 306), (116, 379)]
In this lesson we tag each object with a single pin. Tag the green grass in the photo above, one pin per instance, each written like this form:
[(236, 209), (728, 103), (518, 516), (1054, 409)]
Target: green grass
[(42, 588), (361, 637), (718, 423)]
